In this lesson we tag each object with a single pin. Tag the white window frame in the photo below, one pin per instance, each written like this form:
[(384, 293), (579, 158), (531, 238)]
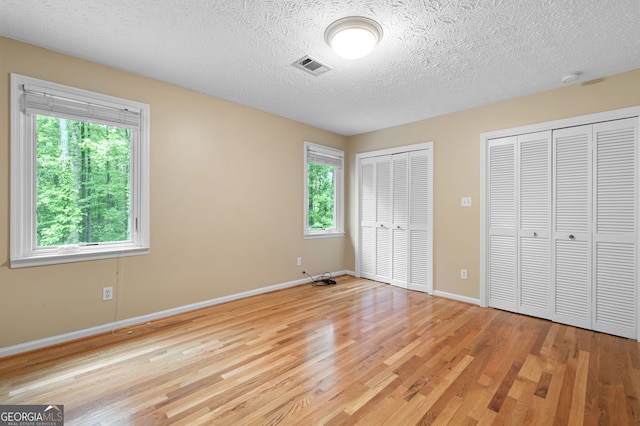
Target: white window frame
[(338, 230), (23, 250)]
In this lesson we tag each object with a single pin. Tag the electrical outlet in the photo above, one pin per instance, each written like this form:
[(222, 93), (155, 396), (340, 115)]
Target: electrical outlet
[(465, 201), (463, 274), (107, 293), (299, 261)]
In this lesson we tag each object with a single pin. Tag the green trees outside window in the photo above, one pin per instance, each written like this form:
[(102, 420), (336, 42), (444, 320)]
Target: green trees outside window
[(83, 182), (321, 213)]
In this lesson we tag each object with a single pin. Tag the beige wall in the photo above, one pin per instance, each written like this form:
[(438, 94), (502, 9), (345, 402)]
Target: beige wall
[(456, 140), (223, 220), (226, 207)]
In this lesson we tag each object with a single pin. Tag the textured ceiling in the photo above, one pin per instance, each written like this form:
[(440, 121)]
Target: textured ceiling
[(436, 56)]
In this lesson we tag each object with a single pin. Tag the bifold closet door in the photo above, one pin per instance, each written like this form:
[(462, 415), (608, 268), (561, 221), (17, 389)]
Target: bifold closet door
[(420, 223), (383, 234), (396, 196), (572, 225), (519, 223), (595, 239), (376, 238), (367, 218), (534, 219), (502, 235), (562, 222), (399, 213), (615, 222)]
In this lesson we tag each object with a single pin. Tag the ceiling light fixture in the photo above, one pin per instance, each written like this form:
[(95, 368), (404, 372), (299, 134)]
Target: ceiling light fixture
[(353, 37)]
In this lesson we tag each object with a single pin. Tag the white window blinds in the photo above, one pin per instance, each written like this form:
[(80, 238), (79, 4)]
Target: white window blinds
[(324, 156), (43, 101)]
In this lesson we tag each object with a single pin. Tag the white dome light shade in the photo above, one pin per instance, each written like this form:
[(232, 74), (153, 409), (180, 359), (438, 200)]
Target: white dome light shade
[(353, 37), (353, 43)]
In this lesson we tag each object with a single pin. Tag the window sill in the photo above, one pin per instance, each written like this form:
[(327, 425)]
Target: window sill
[(78, 255), (324, 235)]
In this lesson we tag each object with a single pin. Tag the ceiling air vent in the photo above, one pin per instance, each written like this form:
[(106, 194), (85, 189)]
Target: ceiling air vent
[(311, 65)]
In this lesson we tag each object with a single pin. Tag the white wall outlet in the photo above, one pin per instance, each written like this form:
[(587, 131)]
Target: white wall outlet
[(463, 274), (465, 201), (299, 261), (107, 293)]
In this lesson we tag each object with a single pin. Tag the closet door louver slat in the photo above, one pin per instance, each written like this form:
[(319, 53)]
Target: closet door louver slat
[(615, 177), (572, 188), (534, 182), (573, 283), (615, 289), (534, 276), (502, 272), (502, 209)]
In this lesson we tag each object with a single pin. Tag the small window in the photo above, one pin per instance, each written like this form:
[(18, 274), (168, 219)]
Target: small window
[(324, 188), (79, 174)]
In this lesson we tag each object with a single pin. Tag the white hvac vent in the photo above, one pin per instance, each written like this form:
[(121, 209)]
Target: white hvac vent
[(311, 65)]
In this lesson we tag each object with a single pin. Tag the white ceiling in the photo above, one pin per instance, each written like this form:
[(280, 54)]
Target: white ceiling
[(435, 57)]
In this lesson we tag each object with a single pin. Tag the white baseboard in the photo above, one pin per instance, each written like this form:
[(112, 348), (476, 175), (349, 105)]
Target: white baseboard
[(456, 297), (61, 338)]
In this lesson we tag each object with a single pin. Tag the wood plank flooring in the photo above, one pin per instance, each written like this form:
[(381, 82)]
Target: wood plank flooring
[(359, 352)]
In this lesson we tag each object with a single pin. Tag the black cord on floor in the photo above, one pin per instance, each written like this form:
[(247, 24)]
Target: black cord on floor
[(322, 280)]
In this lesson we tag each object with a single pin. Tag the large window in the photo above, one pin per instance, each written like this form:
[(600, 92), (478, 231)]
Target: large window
[(79, 174), (324, 177)]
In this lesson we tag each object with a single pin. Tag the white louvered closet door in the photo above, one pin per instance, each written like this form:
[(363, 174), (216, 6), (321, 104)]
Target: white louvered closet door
[(367, 219), (383, 235), (502, 247), (572, 226), (534, 204), (399, 213), (615, 234), (396, 210), (420, 220)]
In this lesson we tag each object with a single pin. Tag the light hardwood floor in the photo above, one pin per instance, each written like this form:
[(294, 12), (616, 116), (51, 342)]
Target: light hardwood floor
[(359, 352)]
